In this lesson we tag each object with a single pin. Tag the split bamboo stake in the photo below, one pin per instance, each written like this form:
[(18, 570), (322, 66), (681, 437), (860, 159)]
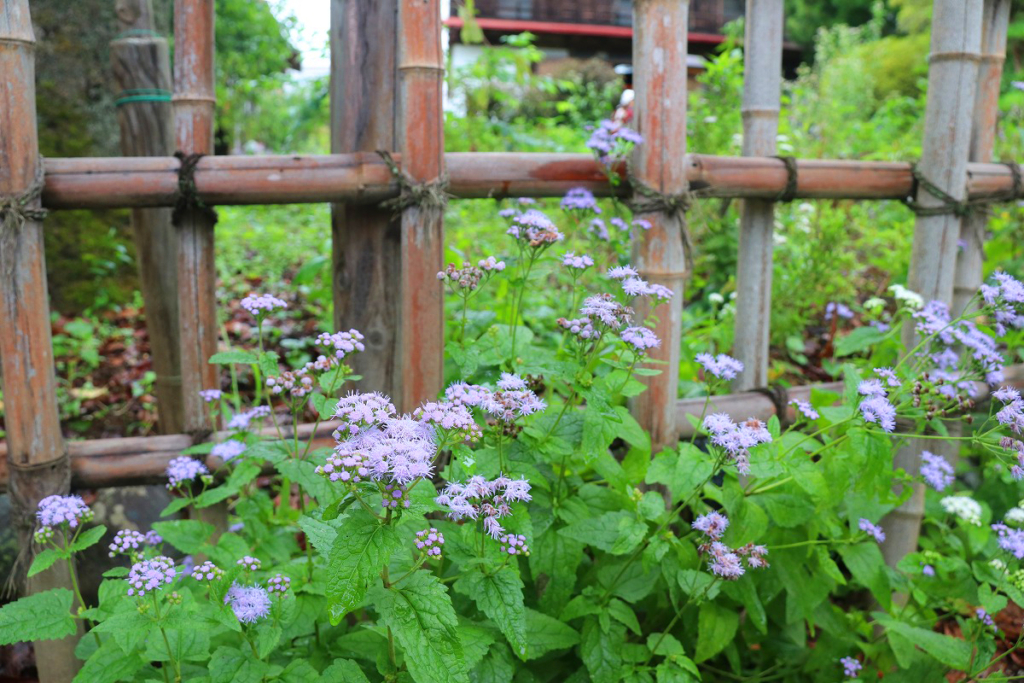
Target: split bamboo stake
[(762, 82), (421, 141), (366, 252), (37, 456), (952, 81), (142, 71)]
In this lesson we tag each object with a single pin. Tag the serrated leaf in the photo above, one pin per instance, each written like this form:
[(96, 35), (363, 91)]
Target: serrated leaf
[(602, 651), (187, 535), (176, 505), (716, 627), (42, 616), (109, 664), (363, 547), (624, 614), (553, 565), (88, 538), (45, 560), (420, 614), (321, 534), (344, 670), (681, 471), (186, 644), (499, 595), (128, 628), (866, 563), (231, 665), (231, 357), (617, 532), (267, 638), (952, 652), (496, 667), (545, 634), (268, 363)]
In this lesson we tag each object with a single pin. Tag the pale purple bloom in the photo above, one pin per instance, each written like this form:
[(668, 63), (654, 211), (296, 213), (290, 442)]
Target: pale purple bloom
[(430, 541), (342, 343), (507, 406), (718, 424), (580, 199), (581, 262), (511, 382), (452, 418), (620, 224), (207, 571), (535, 228), (153, 538), (640, 338), (249, 563), (491, 264), (514, 544), (873, 530), (605, 308), (928, 570), (985, 618), (360, 411), (598, 229), (126, 542), (479, 497), (755, 555), (634, 286), (642, 224), (395, 495), (261, 304), (580, 327), (279, 584), (660, 292), (184, 469), (721, 366), (249, 603), (56, 510), (508, 213), (210, 395), (878, 410), (871, 387), (712, 524), (243, 420), (1010, 540), (226, 450), (724, 562), (466, 394), (735, 439), (851, 667), (834, 309), (805, 408), (888, 375), (936, 471), (1006, 395), (150, 575), (622, 272)]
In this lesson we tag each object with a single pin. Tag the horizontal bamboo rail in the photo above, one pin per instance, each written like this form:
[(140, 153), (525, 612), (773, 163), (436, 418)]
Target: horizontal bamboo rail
[(136, 182), (101, 463)]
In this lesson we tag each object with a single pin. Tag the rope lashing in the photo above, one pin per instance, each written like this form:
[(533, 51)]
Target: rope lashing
[(1017, 190), (779, 396), (188, 196), (788, 193), (142, 95), (646, 199), (16, 209), (431, 195), (950, 205)]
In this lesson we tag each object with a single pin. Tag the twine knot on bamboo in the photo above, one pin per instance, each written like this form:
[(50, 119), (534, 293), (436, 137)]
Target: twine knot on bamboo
[(788, 193), (674, 206), (18, 208), (779, 396), (188, 196), (429, 195), (949, 205)]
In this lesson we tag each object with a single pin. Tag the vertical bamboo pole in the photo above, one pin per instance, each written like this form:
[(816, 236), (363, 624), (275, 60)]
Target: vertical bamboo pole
[(142, 70), (970, 258), (762, 81), (366, 238), (952, 83), (659, 59), (421, 142), (36, 454)]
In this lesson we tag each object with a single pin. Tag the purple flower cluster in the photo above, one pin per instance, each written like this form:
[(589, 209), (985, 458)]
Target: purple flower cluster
[(721, 366), (126, 542), (873, 530), (888, 376), (580, 199), (207, 571), (713, 524), (736, 439), (376, 455), (249, 603), (297, 383), (598, 229), (1012, 413), (604, 308), (361, 411), (1007, 298), (153, 538), (227, 450), (805, 408), (261, 304), (243, 420), (511, 400), (622, 272), (149, 575), (985, 618), (535, 228), (833, 310), (58, 510), (980, 350), (876, 407), (1010, 540), (851, 667), (514, 544), (342, 343), (634, 286), (640, 338), (211, 395), (479, 497), (184, 469), (936, 471), (430, 541), (451, 418), (724, 561), (249, 563), (465, 394), (279, 584), (491, 264), (395, 495), (579, 327), (610, 141), (581, 262)]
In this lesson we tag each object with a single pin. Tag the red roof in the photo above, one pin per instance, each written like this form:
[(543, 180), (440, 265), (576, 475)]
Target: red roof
[(603, 31)]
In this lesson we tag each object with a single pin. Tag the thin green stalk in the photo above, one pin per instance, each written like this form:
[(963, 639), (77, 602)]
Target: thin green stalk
[(675, 618), (167, 643)]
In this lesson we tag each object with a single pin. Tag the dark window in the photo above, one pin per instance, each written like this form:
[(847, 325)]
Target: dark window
[(622, 14), (515, 9)]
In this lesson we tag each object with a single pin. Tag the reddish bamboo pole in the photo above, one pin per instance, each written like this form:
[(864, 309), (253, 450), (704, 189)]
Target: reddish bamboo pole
[(421, 141), (193, 122), (762, 82), (971, 255), (120, 182), (952, 81), (366, 238), (141, 64), (37, 456), (659, 57)]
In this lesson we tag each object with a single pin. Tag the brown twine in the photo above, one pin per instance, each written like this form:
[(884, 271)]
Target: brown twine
[(646, 199), (779, 396), (188, 196), (430, 196), (16, 209), (950, 205), (788, 193)]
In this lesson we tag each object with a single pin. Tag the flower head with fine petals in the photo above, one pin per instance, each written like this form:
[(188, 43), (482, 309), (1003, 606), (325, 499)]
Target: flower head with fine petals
[(57, 510), (851, 667), (1006, 395), (184, 469), (1010, 540), (126, 542), (249, 603), (361, 411), (340, 344), (511, 382), (805, 408), (622, 272), (581, 262), (640, 338), (580, 199), (878, 410), (465, 394), (712, 524), (604, 308), (936, 471), (721, 366), (888, 375), (963, 507), (210, 395), (479, 498), (150, 575), (226, 450), (872, 530), (260, 305)]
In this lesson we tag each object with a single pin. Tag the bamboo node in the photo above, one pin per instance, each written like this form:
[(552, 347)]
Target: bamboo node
[(429, 195), (188, 196), (18, 208)]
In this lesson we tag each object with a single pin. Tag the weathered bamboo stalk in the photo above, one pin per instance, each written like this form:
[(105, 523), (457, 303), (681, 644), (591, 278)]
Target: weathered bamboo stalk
[(37, 456), (762, 82), (142, 71), (366, 238), (120, 182), (952, 83), (659, 56), (420, 340), (971, 255)]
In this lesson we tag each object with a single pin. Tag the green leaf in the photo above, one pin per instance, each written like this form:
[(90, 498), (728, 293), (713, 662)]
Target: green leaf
[(344, 670), (476, 640), (664, 644), (176, 505), (110, 664), (267, 638), (952, 652), (186, 644), (88, 538), (500, 597), (268, 363), (231, 357), (545, 634), (320, 534), (496, 667), (860, 339), (617, 532), (700, 585), (677, 670), (682, 472), (42, 616), (187, 535), (602, 652), (231, 665), (128, 627), (303, 472), (867, 565), (624, 614), (716, 627), (420, 614), (45, 560), (363, 546), (553, 566)]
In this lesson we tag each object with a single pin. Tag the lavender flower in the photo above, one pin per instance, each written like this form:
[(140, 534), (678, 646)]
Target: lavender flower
[(888, 375), (1006, 395), (261, 304), (580, 199), (805, 409), (279, 584), (361, 411), (936, 471), (249, 603), (579, 327), (878, 410), (430, 541), (724, 562), (249, 563), (581, 262), (297, 384), (509, 404), (598, 229), (210, 395), (207, 571), (872, 530), (640, 338), (491, 264), (226, 450), (622, 272), (735, 439), (1010, 540), (153, 538), (126, 542), (243, 420), (871, 387), (721, 366), (150, 575), (184, 469), (928, 570), (851, 667), (985, 618), (535, 228), (395, 495), (834, 309), (464, 394), (59, 510), (712, 525), (755, 555), (342, 343), (451, 418), (480, 497), (634, 286), (514, 544), (606, 309)]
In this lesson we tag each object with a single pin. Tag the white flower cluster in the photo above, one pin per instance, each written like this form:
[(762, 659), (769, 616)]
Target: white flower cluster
[(965, 508)]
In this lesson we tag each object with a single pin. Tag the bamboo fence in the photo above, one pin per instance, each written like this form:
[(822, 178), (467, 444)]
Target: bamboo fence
[(386, 93)]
